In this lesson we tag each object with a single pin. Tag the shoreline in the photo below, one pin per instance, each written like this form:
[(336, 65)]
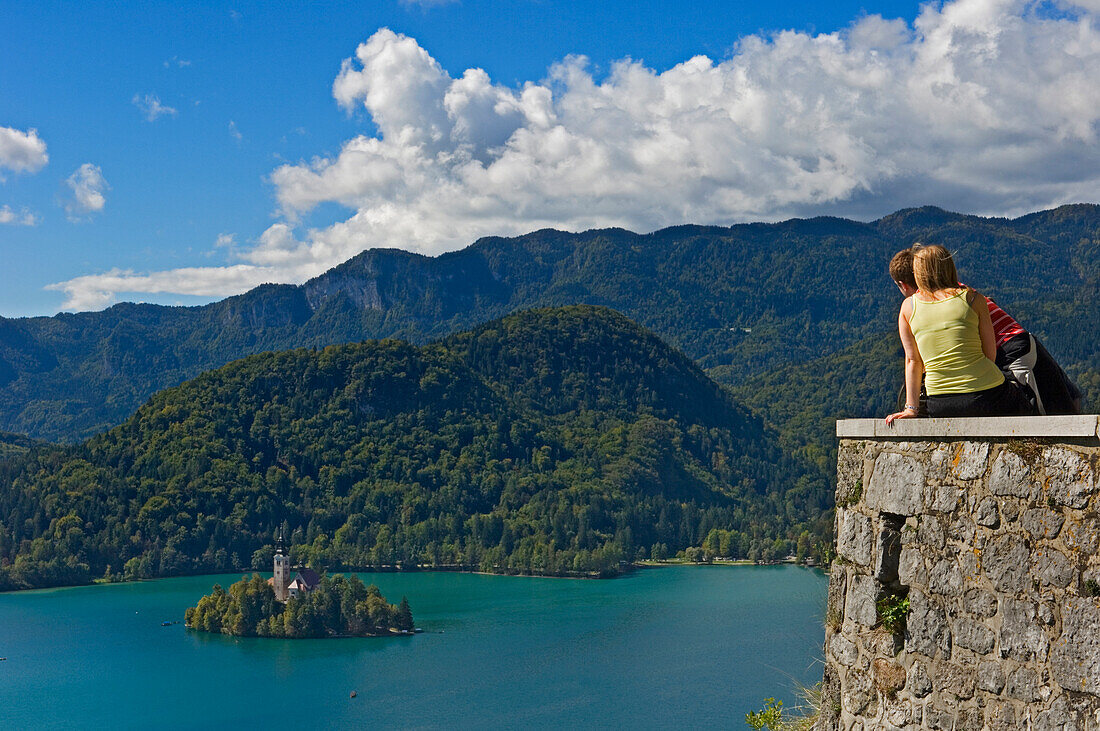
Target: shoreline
[(635, 566)]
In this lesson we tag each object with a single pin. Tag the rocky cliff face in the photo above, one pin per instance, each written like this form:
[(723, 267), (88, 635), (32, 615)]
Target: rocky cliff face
[(991, 545)]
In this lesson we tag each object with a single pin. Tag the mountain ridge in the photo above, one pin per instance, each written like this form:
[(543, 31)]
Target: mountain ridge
[(740, 300)]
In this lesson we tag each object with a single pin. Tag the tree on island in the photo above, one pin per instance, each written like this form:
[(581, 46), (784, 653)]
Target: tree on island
[(404, 616), (341, 606)]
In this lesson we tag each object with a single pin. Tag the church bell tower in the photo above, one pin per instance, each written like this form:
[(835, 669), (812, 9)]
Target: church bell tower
[(282, 571)]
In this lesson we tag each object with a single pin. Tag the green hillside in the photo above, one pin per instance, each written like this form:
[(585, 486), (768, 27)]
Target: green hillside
[(562, 441)]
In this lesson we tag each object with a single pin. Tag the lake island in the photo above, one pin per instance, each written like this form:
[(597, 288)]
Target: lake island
[(305, 607)]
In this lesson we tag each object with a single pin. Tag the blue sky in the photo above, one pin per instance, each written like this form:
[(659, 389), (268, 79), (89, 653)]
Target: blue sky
[(179, 153)]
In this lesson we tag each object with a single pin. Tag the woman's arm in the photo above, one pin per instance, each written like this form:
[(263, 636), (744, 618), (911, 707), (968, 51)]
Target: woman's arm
[(914, 365), (980, 305)]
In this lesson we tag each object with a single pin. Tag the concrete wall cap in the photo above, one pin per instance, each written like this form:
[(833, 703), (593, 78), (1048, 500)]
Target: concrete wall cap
[(1082, 426)]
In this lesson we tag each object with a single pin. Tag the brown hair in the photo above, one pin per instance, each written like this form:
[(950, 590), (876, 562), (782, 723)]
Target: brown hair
[(934, 269), (901, 268)]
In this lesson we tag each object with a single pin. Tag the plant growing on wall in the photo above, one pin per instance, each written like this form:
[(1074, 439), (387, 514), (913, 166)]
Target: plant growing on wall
[(893, 610), (768, 717)]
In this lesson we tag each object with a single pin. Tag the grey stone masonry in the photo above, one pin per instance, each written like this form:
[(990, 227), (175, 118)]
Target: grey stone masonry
[(983, 537)]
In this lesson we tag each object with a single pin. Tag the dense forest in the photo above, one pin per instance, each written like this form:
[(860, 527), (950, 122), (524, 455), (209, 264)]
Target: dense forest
[(340, 607), (742, 301), (538, 468), (560, 441)]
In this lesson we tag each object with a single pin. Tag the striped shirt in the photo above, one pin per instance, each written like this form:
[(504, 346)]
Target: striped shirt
[(1004, 327)]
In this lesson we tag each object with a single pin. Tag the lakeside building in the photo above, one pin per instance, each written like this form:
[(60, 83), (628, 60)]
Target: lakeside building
[(304, 581)]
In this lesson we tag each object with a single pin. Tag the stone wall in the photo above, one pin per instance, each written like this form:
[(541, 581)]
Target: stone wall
[(990, 530)]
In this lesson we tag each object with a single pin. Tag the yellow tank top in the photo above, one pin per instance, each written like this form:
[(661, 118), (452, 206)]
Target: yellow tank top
[(951, 348)]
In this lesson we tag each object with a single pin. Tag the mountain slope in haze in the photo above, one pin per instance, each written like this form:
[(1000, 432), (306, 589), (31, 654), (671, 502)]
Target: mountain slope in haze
[(741, 301), (556, 441)]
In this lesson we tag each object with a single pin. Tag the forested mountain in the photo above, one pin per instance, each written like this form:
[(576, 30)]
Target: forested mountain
[(741, 301), (553, 441), (16, 444)]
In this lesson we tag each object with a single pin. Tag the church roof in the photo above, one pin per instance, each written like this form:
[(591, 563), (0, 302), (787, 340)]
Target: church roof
[(307, 578)]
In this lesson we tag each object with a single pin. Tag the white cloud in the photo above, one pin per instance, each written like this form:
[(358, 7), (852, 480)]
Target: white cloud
[(984, 106), (11, 217), (96, 291), (151, 107), (225, 240), (88, 187), (177, 62), (234, 132), (22, 151)]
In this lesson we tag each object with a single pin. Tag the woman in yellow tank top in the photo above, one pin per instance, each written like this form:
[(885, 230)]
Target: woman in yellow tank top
[(948, 338)]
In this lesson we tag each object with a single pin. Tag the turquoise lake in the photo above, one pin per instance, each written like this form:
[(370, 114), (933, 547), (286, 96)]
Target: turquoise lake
[(678, 647)]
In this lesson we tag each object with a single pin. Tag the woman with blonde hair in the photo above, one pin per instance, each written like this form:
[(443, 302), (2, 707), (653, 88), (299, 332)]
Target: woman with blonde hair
[(947, 334)]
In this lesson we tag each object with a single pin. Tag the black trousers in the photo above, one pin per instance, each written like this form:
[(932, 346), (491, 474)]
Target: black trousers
[(1008, 399), (1035, 368)]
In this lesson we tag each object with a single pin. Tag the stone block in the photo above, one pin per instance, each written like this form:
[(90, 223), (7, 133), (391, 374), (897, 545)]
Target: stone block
[(834, 605), (939, 463), (1042, 522), (917, 680), (1059, 717), (969, 719), (957, 680), (1070, 477), (970, 565), (991, 677), (1001, 716), (927, 631), (857, 692), (1023, 684), (1053, 568), (881, 644), (843, 650), (973, 636), (849, 472), (970, 460), (986, 513), (980, 603), (1010, 509), (945, 579), (1075, 656), (896, 486), (888, 675), (829, 719), (887, 553), (1082, 535), (943, 498), (931, 533), (911, 567), (1009, 476), (859, 604), (855, 537), (1022, 636), (939, 719), (1005, 562), (962, 529), (900, 714)]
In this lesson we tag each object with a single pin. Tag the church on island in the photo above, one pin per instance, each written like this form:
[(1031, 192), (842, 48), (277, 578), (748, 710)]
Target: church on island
[(304, 581)]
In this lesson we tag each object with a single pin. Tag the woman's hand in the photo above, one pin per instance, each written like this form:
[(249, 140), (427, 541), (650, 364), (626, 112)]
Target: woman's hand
[(904, 414)]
